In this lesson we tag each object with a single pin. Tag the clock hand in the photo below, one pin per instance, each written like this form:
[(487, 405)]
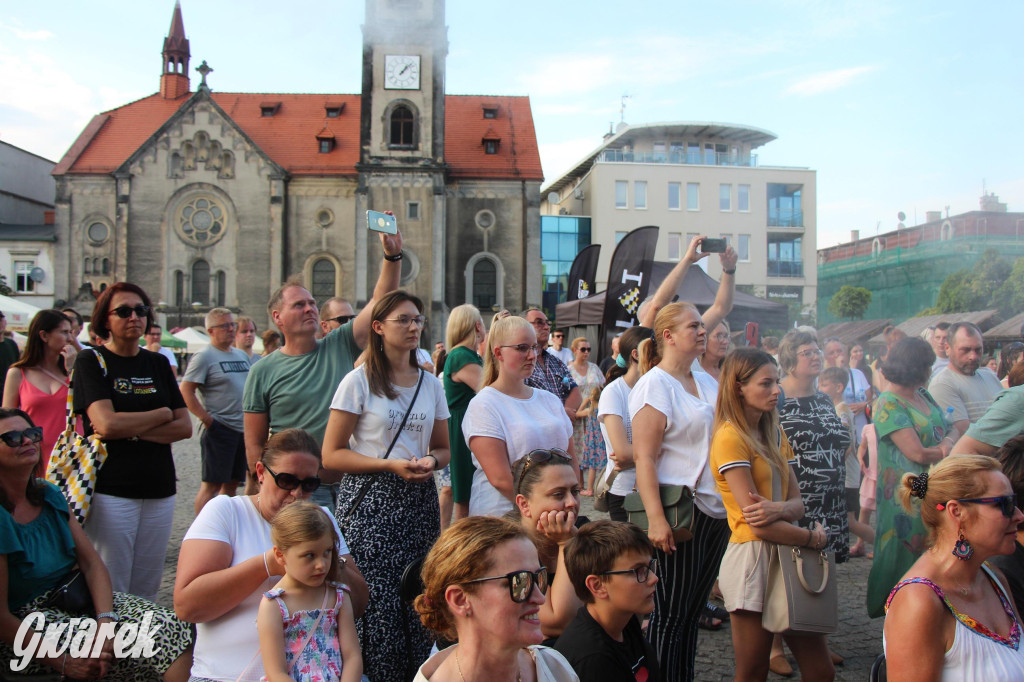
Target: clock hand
[(404, 69)]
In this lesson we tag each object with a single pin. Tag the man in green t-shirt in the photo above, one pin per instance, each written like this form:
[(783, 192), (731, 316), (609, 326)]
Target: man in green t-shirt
[(293, 387)]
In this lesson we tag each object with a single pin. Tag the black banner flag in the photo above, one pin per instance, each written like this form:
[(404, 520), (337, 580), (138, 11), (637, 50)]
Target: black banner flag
[(629, 277), (583, 273)]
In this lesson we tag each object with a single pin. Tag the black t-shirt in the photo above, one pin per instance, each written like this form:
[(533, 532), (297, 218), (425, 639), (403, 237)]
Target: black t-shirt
[(596, 657), (8, 354), (137, 469)]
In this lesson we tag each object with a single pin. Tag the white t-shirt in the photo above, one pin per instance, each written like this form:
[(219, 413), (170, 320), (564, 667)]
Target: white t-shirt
[(171, 358), (565, 355), (380, 417), (225, 646), (686, 445), (615, 401), (524, 425)]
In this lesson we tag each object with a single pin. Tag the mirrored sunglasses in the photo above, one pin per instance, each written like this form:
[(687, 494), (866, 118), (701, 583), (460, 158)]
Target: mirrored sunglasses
[(520, 583)]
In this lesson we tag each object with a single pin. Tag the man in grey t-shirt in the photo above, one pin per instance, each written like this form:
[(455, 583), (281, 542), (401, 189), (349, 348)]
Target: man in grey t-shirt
[(218, 372), (962, 385)]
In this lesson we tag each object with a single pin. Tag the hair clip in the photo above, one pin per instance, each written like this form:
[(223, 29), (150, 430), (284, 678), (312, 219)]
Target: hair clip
[(940, 506)]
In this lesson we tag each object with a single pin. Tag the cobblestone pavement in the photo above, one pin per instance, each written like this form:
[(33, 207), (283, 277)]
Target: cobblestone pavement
[(859, 639)]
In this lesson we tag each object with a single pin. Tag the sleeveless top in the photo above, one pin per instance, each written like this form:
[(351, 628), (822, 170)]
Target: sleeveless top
[(977, 652), (47, 410), (319, 658)]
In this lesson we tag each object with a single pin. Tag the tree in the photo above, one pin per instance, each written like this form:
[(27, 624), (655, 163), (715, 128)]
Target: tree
[(990, 283), (4, 289), (850, 302)]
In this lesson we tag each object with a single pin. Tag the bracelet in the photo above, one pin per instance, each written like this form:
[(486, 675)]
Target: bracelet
[(108, 614), (729, 272), (433, 457), (265, 564), (393, 259)]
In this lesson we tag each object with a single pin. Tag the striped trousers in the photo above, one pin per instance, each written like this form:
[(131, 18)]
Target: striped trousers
[(685, 581)]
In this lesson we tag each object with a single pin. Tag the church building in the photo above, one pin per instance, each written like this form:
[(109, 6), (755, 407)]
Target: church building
[(209, 198)]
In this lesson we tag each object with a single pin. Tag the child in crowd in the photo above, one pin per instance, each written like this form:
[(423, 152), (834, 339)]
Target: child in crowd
[(305, 623), (832, 382), (867, 456), (613, 572)]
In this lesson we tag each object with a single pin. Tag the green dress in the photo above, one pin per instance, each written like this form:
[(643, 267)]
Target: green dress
[(900, 538), (458, 396)]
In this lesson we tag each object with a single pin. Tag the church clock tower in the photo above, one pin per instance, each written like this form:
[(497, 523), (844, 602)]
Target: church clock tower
[(401, 160)]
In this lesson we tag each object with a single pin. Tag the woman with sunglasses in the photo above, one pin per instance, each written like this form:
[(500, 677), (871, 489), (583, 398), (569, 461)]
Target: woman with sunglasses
[(752, 463), (507, 419), (586, 435), (38, 381), (226, 561), (911, 435), (547, 506), (130, 398), (41, 547), (484, 587), (388, 432), (951, 617), (672, 410)]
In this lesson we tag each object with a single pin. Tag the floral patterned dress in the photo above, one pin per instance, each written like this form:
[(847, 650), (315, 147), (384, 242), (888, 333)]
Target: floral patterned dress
[(316, 657), (900, 538), (586, 432)]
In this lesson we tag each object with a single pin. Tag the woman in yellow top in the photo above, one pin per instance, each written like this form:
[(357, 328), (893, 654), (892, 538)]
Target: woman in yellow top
[(750, 460)]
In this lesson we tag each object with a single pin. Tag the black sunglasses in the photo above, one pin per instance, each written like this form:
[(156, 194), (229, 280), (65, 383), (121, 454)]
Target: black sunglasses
[(125, 311), (520, 583), (291, 481), (584, 349), (642, 573), (14, 438), (340, 319), (540, 456), (1007, 503)]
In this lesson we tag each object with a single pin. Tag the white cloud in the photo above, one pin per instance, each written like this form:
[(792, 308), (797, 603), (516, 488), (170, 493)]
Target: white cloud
[(827, 81), (22, 34), (559, 157)]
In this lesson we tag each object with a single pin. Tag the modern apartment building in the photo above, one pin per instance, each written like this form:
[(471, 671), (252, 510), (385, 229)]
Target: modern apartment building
[(689, 178)]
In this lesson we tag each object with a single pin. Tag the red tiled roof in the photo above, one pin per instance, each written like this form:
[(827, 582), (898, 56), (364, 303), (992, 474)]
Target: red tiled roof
[(289, 136)]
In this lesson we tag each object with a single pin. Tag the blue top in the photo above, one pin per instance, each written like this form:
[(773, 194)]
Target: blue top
[(39, 553)]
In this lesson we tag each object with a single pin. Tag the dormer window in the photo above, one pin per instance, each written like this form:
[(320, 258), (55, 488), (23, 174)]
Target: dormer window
[(491, 142), (490, 111), (325, 140), (268, 109), (333, 110), (326, 146)]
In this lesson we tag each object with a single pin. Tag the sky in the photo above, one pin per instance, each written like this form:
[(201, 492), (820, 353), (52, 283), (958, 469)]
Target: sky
[(899, 106)]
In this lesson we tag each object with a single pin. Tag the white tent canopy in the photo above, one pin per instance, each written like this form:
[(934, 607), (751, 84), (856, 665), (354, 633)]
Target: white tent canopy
[(19, 314), (195, 339)]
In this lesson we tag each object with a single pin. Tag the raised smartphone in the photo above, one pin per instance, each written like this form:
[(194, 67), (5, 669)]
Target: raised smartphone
[(712, 246), (381, 222)]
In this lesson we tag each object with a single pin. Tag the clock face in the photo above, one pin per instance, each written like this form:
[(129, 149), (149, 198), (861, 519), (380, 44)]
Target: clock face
[(402, 72)]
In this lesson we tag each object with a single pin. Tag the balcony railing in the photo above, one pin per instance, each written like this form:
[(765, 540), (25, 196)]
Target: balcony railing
[(785, 268), (785, 217), (690, 158)]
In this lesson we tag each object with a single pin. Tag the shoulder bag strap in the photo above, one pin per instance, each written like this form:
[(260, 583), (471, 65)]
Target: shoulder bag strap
[(366, 486)]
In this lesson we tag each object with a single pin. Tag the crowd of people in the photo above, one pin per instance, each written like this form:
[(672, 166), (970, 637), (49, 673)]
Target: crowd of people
[(408, 516)]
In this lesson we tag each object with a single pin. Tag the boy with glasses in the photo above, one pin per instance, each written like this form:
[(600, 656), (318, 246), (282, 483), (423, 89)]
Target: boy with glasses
[(613, 572), (558, 349)]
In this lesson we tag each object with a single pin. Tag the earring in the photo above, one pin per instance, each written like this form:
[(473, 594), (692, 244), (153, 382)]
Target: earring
[(962, 550)]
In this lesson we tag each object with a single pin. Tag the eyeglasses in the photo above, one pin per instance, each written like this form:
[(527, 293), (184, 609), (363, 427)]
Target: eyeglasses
[(642, 573), (540, 323), (584, 349), (540, 456), (14, 438), (125, 311), (524, 347), (720, 337), (520, 583), (1007, 503), (406, 320), (226, 325), (816, 353), (342, 319), (291, 481)]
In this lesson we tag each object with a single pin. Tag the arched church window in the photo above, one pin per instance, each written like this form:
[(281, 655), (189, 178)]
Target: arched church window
[(324, 277), (402, 127), (485, 284), (201, 282)]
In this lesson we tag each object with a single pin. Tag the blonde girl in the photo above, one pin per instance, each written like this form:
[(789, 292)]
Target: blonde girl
[(306, 625)]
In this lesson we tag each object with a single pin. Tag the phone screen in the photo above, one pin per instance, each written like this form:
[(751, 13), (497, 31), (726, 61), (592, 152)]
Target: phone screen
[(712, 246)]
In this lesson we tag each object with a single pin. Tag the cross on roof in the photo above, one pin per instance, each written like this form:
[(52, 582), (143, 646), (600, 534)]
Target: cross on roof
[(204, 69)]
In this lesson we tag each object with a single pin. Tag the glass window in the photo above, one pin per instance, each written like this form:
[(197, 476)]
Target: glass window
[(725, 197), (620, 235), (675, 240), (658, 155), (693, 196), (784, 256), (743, 197), (784, 205), (743, 247), (179, 288), (326, 146), (621, 194), (222, 285), (562, 238), (640, 194), (728, 239), (23, 283), (485, 284), (693, 152), (412, 210), (323, 280), (402, 124), (201, 282), (490, 146), (689, 238), (673, 196)]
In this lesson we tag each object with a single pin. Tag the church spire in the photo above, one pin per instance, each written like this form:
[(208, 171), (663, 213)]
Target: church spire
[(174, 75)]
